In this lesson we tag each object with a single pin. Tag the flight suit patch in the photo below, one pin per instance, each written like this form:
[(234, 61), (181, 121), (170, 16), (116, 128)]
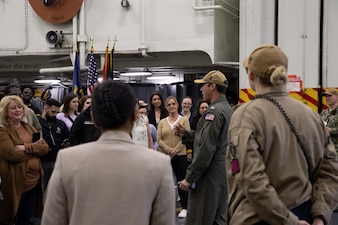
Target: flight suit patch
[(209, 117)]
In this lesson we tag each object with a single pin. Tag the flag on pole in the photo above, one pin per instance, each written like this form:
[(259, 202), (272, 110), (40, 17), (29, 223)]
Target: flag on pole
[(92, 74), (77, 87), (105, 65), (109, 72)]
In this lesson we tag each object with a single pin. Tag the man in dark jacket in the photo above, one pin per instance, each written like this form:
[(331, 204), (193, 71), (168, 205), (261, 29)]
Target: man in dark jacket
[(83, 129), (55, 133)]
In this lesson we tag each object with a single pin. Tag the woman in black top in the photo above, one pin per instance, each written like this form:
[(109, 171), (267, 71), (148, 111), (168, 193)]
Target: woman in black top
[(157, 110)]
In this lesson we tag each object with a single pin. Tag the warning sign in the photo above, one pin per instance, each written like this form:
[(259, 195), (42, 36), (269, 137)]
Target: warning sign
[(294, 83)]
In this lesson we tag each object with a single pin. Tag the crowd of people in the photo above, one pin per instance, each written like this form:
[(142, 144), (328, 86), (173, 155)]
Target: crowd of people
[(269, 161)]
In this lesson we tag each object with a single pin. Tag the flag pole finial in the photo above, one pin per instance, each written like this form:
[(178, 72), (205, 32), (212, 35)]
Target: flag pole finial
[(115, 40), (75, 48), (91, 40), (108, 40)]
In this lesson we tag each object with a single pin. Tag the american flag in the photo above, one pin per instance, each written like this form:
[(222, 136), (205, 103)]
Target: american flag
[(209, 116), (92, 75)]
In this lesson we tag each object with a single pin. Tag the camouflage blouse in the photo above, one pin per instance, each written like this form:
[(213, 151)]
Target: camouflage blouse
[(330, 119)]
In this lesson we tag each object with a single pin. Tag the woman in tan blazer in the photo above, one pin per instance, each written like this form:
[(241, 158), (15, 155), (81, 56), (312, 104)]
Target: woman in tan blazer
[(111, 180)]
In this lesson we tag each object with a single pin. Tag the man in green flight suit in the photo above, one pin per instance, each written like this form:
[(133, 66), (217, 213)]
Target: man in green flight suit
[(206, 176)]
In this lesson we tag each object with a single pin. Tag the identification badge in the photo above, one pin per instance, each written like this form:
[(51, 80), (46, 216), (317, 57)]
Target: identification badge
[(234, 166), (234, 161)]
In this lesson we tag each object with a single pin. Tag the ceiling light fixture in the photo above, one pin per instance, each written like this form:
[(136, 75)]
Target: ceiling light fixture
[(135, 74), (47, 81), (161, 77)]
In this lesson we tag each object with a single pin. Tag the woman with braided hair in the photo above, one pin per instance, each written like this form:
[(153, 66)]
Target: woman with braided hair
[(111, 179)]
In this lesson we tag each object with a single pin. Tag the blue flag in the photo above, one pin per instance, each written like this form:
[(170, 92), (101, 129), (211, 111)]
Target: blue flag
[(77, 86)]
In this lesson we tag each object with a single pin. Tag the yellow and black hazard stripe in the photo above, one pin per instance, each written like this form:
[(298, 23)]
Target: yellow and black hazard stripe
[(309, 96)]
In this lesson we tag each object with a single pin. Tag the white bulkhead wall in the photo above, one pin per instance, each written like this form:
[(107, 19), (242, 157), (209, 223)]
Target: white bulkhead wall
[(330, 62), (298, 35), (256, 27), (22, 30), (167, 26)]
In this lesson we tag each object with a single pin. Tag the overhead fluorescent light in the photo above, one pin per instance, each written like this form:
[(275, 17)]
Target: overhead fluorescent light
[(100, 79), (47, 81), (160, 77), (135, 74)]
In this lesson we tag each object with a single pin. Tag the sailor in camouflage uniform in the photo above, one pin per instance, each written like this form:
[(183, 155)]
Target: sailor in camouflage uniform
[(330, 115)]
